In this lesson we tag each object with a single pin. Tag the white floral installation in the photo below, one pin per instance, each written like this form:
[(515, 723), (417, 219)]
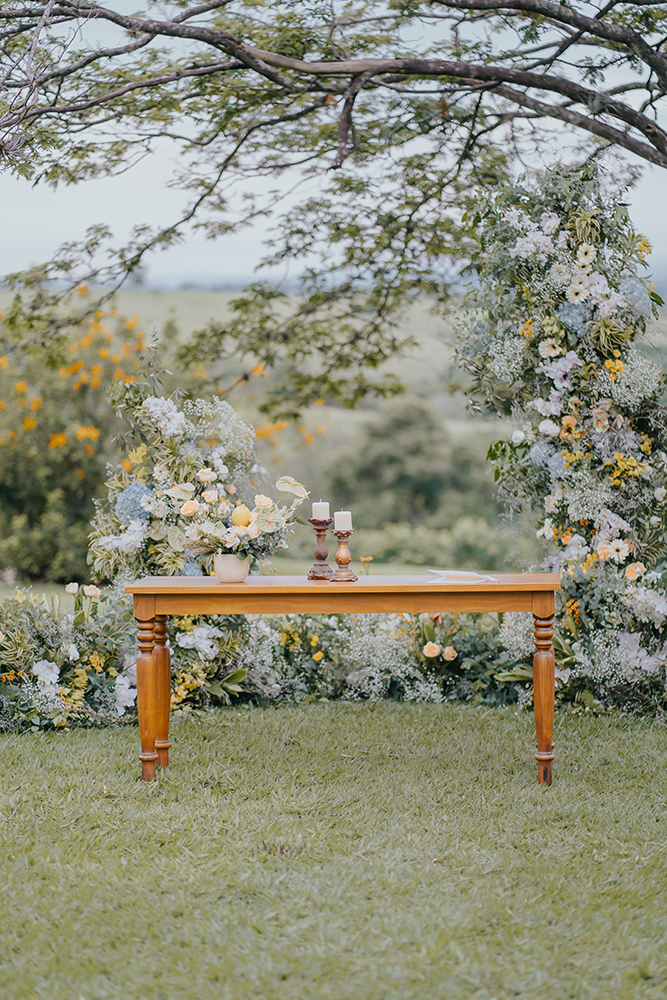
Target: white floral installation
[(550, 337)]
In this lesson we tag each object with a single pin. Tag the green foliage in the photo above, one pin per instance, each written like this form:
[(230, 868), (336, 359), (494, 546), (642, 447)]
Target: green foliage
[(401, 468)]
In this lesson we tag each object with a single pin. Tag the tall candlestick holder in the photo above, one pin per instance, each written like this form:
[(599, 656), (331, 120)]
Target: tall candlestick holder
[(321, 569), (343, 558)]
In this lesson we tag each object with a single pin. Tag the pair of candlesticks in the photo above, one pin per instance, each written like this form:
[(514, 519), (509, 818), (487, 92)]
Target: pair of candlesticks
[(321, 569)]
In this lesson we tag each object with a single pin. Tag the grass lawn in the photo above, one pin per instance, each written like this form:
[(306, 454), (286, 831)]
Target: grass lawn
[(340, 852)]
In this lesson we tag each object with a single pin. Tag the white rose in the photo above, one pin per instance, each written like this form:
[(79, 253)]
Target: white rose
[(549, 428), (72, 588), (660, 493), (518, 437)]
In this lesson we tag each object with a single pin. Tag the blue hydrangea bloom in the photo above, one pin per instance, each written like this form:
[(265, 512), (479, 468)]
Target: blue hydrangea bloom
[(192, 569), (128, 505), (541, 453), (635, 293), (574, 315), (556, 465)]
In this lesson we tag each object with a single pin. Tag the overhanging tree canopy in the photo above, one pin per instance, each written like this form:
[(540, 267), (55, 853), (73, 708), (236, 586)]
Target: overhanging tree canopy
[(408, 103)]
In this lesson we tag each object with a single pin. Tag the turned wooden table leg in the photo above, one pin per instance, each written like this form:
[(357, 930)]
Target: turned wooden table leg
[(147, 696), (544, 683), (163, 662)]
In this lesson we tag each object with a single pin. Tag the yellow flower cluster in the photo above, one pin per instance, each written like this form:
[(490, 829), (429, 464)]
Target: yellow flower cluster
[(625, 466), (185, 682)]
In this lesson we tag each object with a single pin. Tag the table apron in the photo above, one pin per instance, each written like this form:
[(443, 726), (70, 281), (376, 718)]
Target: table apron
[(313, 604)]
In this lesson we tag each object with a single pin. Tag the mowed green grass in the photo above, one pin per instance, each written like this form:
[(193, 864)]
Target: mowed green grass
[(337, 851)]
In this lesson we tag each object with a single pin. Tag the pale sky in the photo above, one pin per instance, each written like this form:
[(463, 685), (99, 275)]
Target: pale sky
[(35, 221)]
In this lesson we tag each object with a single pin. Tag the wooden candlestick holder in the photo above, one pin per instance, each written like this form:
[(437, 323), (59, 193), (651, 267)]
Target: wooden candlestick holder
[(321, 569), (343, 558)]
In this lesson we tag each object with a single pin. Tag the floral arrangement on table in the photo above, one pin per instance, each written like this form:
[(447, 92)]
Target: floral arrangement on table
[(212, 523), (199, 447), (550, 336)]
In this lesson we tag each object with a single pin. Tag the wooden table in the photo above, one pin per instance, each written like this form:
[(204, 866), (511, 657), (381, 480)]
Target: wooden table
[(158, 597)]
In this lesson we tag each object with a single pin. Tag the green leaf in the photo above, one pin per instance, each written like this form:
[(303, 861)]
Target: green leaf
[(235, 676), (428, 632), (656, 298)]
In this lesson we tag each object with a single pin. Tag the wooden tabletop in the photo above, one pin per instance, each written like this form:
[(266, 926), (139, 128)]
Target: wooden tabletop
[(209, 585)]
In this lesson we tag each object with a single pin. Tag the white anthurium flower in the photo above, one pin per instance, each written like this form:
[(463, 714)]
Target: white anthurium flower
[(288, 485)]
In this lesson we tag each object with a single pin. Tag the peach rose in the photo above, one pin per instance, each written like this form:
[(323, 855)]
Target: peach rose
[(449, 653), (190, 507), (432, 649), (604, 552), (635, 570), (262, 502), (72, 588), (210, 496), (231, 489), (90, 590), (206, 475), (566, 537)]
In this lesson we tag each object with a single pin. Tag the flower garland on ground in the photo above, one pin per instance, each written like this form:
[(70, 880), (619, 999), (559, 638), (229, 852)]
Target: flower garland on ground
[(550, 337)]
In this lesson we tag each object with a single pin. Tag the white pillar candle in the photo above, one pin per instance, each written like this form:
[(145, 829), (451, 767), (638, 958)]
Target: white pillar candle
[(342, 520), (321, 511)]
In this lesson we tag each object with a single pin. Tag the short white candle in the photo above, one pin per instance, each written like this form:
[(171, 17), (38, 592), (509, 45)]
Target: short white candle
[(321, 511), (342, 520)]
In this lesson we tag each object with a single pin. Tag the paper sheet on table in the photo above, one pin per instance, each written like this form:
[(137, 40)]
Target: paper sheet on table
[(461, 576)]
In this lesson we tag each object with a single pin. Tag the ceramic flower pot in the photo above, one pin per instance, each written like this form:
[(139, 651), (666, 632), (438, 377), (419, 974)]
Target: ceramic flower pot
[(229, 568)]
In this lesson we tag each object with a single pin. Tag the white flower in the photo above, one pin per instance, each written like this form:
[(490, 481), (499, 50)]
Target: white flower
[(547, 529), (549, 348), (166, 416), (90, 590), (562, 241), (655, 520), (72, 588), (619, 550), (586, 254), (288, 485), (660, 493), (549, 223), (47, 673), (201, 638), (125, 695), (575, 548), (533, 244), (562, 675), (518, 437), (206, 475), (549, 428), (576, 293), (72, 653)]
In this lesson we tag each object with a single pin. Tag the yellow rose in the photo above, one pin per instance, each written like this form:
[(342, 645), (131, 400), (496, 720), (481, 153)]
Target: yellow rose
[(241, 515), (449, 653)]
